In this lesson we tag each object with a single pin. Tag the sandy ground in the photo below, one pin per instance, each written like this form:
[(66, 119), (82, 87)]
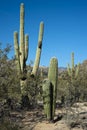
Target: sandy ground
[(73, 118), (38, 122)]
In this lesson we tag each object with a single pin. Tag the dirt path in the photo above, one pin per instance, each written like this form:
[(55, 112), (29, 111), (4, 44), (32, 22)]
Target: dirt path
[(38, 122), (56, 126), (76, 117)]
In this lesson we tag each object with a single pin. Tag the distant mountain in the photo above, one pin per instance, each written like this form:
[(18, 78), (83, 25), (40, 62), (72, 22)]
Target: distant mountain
[(45, 69), (61, 69)]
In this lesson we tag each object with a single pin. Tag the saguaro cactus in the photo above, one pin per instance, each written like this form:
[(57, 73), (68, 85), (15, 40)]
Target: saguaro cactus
[(50, 89), (39, 48), (53, 78), (73, 71), (48, 99), (21, 50)]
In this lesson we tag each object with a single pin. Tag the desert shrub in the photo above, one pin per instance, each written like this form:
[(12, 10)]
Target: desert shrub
[(8, 125)]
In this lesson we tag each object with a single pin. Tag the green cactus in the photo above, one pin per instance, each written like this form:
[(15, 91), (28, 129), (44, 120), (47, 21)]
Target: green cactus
[(50, 89), (22, 45), (48, 99), (53, 78), (17, 53), (39, 48), (73, 71), (21, 50)]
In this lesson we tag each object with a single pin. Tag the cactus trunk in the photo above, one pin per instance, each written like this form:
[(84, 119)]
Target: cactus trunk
[(53, 78), (50, 90), (48, 99)]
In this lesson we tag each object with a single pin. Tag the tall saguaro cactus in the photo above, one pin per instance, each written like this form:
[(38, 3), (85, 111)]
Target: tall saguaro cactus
[(39, 48), (50, 89), (21, 50)]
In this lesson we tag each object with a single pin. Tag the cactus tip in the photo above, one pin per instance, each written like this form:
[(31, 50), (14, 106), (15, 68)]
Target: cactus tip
[(22, 4), (42, 22), (15, 32), (54, 58), (26, 35)]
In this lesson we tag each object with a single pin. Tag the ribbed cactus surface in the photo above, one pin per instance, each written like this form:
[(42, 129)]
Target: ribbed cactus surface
[(21, 51), (39, 49), (21, 47), (73, 71), (50, 89), (53, 78), (48, 99)]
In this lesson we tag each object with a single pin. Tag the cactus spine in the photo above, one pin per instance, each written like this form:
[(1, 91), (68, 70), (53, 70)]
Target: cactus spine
[(39, 48), (51, 87), (21, 51)]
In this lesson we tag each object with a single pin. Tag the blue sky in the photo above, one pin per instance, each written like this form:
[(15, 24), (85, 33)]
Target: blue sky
[(65, 28)]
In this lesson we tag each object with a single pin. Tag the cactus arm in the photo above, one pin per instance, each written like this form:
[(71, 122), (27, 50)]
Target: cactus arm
[(26, 46), (22, 46), (16, 47), (39, 48), (72, 60), (69, 70), (77, 70)]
